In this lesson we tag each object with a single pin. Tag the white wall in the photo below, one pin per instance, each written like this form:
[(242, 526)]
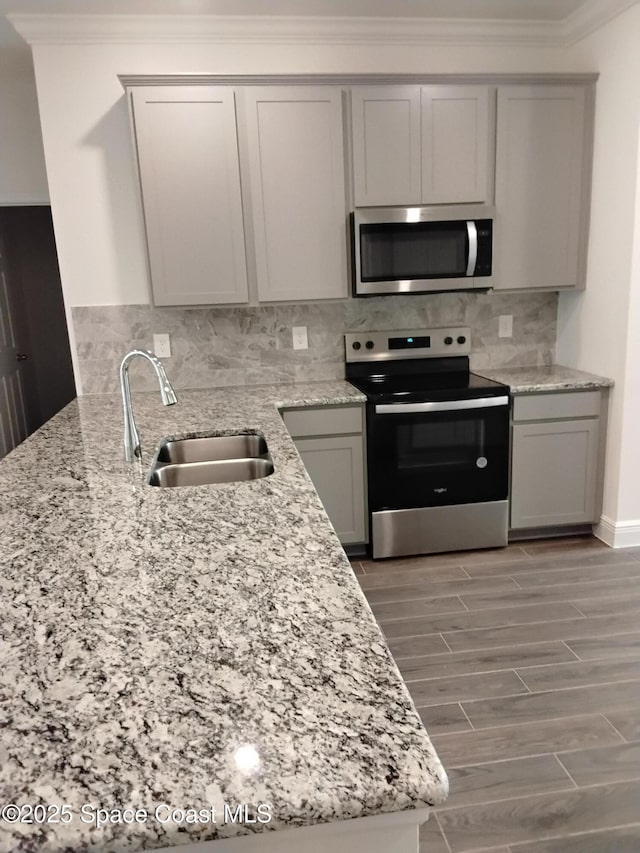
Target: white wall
[(23, 178), (598, 330), (629, 488), (94, 196)]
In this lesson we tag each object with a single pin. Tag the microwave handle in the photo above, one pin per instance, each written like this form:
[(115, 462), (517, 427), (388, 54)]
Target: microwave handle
[(448, 406), (472, 234)]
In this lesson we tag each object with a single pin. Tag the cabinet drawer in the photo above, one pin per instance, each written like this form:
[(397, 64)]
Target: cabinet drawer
[(544, 407), (325, 421)]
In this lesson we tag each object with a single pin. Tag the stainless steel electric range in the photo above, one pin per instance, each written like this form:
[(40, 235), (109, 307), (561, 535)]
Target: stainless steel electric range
[(437, 442)]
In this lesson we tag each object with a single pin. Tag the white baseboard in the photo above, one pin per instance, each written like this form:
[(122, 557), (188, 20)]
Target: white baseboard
[(618, 534)]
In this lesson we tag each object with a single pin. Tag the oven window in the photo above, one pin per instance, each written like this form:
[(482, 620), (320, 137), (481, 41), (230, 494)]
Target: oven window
[(442, 444), (417, 250)]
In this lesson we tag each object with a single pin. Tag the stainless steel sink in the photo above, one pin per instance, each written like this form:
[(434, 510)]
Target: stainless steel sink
[(212, 459), (213, 448), (206, 473)]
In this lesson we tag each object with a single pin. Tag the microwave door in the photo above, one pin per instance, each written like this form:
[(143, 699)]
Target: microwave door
[(400, 257), (393, 251)]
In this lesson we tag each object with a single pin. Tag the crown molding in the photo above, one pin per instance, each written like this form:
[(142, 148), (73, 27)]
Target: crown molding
[(590, 17), (195, 79), (241, 29), (269, 29)]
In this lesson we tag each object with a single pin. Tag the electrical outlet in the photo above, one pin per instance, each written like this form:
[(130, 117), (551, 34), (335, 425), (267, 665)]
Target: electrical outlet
[(300, 340), (505, 326), (162, 346)]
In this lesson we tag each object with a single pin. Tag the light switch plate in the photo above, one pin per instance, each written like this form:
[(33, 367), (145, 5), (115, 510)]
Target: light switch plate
[(505, 326), (162, 346), (300, 340)]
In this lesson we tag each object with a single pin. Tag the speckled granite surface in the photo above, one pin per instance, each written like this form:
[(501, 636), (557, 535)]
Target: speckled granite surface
[(528, 380), (149, 634)]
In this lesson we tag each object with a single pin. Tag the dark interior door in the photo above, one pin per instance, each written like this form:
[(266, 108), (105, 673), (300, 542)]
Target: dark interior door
[(36, 309), (13, 421)]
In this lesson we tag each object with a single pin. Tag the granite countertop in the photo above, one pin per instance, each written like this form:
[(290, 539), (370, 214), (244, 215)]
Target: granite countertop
[(191, 647), (555, 377)]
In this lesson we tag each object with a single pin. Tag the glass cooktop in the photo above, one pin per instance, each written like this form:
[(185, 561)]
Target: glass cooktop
[(422, 388)]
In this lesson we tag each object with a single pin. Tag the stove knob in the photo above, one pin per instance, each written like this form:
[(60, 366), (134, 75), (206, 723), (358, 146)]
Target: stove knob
[(369, 344), (356, 345), (462, 339), (448, 340)]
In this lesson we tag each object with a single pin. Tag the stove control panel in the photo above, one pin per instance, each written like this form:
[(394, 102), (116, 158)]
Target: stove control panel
[(407, 343)]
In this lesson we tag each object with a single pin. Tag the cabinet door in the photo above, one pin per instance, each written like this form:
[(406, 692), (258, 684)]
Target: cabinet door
[(455, 144), (189, 172), (386, 145), (336, 467), (539, 186), (296, 157), (553, 473)]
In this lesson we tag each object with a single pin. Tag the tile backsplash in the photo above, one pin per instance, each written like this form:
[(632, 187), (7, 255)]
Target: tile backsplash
[(248, 346)]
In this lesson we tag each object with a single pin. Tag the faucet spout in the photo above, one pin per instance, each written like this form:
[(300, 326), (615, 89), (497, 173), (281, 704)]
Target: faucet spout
[(167, 395)]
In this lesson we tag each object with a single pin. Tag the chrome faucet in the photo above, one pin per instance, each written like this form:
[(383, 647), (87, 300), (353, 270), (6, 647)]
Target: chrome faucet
[(168, 395)]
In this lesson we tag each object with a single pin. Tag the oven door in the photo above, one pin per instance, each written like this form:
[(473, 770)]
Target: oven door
[(438, 453)]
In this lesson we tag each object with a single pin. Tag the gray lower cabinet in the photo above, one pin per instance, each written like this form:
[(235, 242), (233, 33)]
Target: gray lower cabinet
[(556, 459), (335, 465), (330, 442)]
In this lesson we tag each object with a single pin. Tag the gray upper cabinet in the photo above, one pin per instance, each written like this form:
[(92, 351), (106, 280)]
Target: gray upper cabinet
[(542, 187), (422, 145), (252, 206), (386, 145), (189, 173), (297, 191), (457, 124)]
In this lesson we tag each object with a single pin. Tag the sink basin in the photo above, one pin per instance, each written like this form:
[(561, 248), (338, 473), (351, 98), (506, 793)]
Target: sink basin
[(213, 448), (206, 473), (209, 460)]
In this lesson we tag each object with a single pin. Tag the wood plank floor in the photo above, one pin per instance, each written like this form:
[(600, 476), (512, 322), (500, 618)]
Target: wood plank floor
[(524, 663)]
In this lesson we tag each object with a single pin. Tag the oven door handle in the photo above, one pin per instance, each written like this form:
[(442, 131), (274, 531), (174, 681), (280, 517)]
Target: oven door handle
[(448, 406)]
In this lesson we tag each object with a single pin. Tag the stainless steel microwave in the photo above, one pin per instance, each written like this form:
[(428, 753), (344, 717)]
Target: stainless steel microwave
[(421, 249)]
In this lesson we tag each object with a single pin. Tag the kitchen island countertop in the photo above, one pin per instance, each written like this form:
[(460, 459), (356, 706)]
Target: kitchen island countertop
[(190, 646), (538, 379)]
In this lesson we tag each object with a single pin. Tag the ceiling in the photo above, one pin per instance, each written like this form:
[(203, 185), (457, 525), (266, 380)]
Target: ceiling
[(505, 10)]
